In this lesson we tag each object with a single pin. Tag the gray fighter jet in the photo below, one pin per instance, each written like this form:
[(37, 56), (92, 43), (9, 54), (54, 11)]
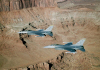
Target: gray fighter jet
[(40, 32), (69, 46)]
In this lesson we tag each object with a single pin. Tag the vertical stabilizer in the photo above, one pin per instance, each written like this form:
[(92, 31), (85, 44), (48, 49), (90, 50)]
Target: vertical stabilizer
[(81, 42), (49, 28)]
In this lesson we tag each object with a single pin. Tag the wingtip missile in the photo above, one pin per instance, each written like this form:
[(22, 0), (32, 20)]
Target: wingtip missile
[(23, 32)]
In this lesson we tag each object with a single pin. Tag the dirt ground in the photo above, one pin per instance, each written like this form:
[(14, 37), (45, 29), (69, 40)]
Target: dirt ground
[(69, 26)]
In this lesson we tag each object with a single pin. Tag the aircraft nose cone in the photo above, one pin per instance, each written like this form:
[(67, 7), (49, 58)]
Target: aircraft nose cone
[(49, 47)]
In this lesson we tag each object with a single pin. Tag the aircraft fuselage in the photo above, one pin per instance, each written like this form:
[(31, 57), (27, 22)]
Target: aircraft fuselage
[(61, 47), (41, 32)]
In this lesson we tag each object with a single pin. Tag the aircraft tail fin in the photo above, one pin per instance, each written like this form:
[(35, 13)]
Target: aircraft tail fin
[(49, 28), (81, 42)]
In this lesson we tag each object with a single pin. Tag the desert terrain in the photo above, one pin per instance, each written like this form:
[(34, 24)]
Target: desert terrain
[(72, 21)]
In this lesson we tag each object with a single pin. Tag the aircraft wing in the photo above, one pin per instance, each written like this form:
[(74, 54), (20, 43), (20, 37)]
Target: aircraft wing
[(41, 30), (42, 35), (69, 43), (71, 50)]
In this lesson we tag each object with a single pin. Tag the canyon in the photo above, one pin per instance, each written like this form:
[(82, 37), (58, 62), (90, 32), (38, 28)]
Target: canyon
[(72, 21), (9, 5)]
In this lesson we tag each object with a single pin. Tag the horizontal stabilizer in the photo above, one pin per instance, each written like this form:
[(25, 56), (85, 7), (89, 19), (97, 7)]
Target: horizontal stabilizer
[(40, 36), (82, 49)]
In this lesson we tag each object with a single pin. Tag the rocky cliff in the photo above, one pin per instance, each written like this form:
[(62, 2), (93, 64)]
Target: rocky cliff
[(26, 52), (21, 50), (9, 5)]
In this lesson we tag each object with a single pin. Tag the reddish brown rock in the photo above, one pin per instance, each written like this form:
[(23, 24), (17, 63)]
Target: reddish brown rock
[(17, 5), (46, 65), (9, 5), (24, 68), (19, 68), (12, 69), (40, 65), (5, 69), (53, 60), (59, 57), (31, 66)]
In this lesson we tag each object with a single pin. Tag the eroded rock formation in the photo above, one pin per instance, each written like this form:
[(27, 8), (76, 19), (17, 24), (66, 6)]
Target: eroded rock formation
[(23, 52), (9, 5), (62, 62)]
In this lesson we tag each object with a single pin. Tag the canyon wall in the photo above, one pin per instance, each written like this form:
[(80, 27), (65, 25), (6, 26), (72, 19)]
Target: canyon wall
[(9, 5), (26, 52), (69, 26)]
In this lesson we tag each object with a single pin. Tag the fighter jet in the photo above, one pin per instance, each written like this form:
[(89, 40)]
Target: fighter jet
[(40, 32), (69, 46)]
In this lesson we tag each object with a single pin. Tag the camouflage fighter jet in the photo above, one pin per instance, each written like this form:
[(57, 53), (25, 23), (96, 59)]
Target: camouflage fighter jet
[(69, 46), (40, 32)]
